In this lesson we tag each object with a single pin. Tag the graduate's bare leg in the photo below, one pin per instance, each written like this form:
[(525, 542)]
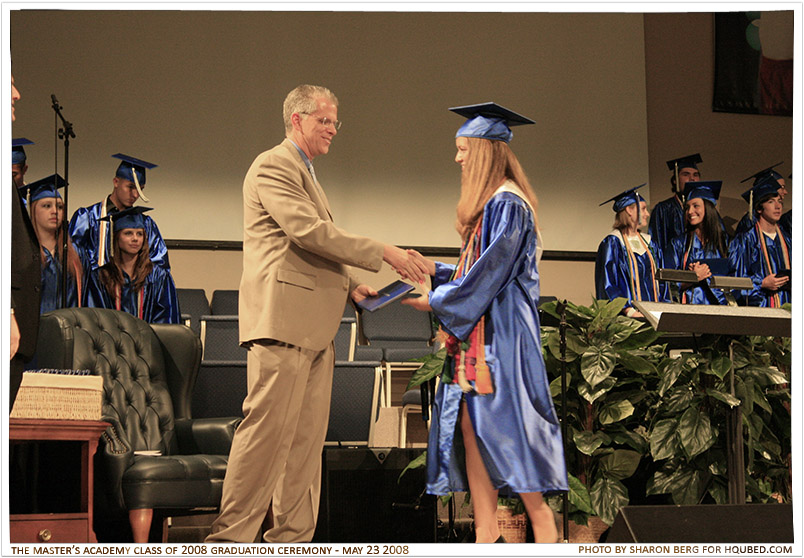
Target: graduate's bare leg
[(484, 495), (541, 517)]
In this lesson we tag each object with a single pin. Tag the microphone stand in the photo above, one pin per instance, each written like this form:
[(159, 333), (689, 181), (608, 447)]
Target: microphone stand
[(562, 343), (64, 133)]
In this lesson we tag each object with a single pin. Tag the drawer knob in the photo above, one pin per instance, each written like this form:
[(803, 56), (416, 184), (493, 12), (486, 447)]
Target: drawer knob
[(45, 535)]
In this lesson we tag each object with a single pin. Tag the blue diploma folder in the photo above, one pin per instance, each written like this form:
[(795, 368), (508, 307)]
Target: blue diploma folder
[(385, 296)]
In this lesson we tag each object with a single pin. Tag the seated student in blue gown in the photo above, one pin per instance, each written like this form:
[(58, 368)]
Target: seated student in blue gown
[(88, 228), (46, 208), (785, 223), (494, 426), (763, 252), (704, 240), (627, 259), (130, 281), (667, 216)]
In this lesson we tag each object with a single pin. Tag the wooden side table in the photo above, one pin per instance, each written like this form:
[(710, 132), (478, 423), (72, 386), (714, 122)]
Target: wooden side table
[(59, 527)]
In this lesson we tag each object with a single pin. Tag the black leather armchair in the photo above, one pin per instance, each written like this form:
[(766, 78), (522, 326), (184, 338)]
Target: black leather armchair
[(148, 375)]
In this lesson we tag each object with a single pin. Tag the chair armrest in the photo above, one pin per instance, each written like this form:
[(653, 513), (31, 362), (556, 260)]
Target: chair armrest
[(219, 318), (211, 436), (114, 457), (181, 349)]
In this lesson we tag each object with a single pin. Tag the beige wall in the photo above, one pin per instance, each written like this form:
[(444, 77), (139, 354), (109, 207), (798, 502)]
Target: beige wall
[(679, 57), (200, 94)]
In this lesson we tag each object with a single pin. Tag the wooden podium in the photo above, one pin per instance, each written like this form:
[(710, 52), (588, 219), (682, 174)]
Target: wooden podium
[(59, 527), (722, 320)]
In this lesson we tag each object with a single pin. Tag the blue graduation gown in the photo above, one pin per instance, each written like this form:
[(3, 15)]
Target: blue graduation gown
[(666, 222), (160, 302), (51, 284), (674, 259), (747, 260), (612, 273), (516, 427), (85, 233)]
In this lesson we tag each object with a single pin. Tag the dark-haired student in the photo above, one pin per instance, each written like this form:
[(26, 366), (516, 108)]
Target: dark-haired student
[(769, 174), (703, 243), (667, 217), (130, 281), (763, 252)]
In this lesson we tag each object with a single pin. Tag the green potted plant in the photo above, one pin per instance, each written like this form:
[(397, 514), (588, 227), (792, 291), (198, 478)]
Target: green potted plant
[(688, 424), (611, 369)]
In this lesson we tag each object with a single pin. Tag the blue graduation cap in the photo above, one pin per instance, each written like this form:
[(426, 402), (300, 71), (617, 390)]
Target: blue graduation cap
[(489, 121), (686, 162), (131, 218), (705, 189), (133, 169), (623, 200), (18, 156), (770, 171), (47, 187)]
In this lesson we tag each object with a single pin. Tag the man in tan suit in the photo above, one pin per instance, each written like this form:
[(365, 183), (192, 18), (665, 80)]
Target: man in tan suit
[(294, 286)]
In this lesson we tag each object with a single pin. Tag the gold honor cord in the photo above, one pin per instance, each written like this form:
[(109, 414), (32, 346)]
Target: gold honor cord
[(634, 271)]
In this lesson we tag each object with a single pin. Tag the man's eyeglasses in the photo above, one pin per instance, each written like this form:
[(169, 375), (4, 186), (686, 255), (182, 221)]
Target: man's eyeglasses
[(325, 121)]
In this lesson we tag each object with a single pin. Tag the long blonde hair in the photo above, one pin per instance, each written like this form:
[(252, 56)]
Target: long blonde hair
[(489, 163)]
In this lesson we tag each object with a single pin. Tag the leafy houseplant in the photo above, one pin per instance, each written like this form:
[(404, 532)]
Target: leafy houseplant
[(688, 433), (611, 366)]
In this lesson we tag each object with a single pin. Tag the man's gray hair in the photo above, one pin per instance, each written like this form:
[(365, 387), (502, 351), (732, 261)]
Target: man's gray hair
[(303, 99)]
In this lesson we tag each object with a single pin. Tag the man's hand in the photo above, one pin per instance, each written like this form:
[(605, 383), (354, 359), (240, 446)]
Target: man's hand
[(773, 283), (361, 292), (15, 336), (405, 264)]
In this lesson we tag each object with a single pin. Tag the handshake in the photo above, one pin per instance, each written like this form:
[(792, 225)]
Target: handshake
[(410, 265)]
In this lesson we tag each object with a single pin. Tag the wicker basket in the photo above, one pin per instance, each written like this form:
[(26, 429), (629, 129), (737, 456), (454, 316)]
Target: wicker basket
[(45, 395), (512, 527)]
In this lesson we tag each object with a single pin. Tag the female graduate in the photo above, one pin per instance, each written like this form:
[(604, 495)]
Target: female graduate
[(627, 259), (704, 239), (493, 405), (763, 251), (130, 281), (47, 216)]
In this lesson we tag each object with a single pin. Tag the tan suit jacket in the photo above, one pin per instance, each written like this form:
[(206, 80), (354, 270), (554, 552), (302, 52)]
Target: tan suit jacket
[(295, 279)]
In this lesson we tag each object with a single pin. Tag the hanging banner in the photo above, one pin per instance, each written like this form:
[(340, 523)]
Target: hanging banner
[(754, 63)]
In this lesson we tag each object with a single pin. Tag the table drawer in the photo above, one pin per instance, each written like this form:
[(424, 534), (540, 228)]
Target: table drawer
[(49, 530)]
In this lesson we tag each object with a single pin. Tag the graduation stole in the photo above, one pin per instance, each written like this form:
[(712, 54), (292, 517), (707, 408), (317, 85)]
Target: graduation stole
[(470, 356), (775, 300), (684, 263), (633, 269), (140, 300)]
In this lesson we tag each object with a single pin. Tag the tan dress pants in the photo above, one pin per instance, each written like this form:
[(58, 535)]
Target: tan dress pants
[(276, 451)]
